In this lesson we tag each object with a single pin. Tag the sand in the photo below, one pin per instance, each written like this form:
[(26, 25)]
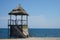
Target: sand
[(35, 38)]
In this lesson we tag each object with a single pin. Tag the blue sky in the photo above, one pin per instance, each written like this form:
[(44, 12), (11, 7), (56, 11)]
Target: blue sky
[(42, 13)]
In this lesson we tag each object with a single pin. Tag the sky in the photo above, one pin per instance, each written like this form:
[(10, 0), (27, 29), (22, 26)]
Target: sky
[(42, 13)]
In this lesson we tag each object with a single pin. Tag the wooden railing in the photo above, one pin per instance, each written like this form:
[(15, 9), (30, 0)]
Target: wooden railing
[(17, 22)]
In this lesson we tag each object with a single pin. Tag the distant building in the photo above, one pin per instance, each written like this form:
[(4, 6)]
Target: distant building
[(19, 24)]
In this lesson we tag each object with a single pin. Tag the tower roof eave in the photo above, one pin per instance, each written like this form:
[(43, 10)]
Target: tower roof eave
[(18, 11)]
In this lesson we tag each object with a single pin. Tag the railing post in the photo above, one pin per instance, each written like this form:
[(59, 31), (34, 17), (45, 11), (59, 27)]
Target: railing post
[(16, 20), (10, 19)]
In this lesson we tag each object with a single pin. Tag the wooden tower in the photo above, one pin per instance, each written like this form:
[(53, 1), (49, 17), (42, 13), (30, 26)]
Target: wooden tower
[(18, 23)]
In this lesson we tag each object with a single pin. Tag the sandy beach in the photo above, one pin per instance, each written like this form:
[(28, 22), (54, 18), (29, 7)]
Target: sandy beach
[(35, 38)]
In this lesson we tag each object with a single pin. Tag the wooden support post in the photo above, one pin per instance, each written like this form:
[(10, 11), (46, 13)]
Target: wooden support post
[(27, 20), (21, 23), (16, 20), (10, 19), (10, 26)]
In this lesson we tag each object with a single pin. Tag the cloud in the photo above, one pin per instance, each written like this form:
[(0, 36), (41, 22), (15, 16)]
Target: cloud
[(54, 22), (35, 22), (4, 17), (3, 21), (43, 22)]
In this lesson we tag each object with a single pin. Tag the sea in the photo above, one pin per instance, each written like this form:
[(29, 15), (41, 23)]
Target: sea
[(34, 32)]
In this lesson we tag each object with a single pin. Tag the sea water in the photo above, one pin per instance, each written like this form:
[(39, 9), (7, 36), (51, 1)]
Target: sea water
[(4, 32), (44, 32)]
